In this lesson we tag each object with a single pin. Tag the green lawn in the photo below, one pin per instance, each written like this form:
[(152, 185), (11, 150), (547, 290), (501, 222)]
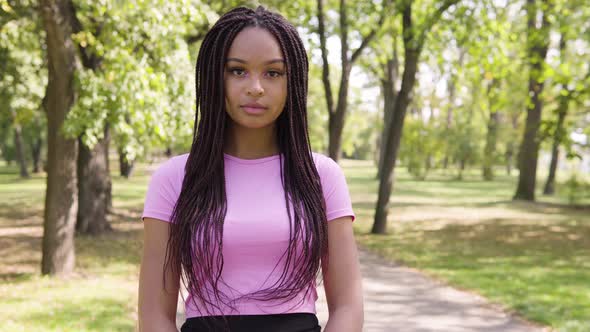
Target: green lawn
[(530, 258), (101, 296)]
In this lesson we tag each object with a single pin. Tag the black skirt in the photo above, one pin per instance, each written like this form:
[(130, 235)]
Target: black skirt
[(297, 322)]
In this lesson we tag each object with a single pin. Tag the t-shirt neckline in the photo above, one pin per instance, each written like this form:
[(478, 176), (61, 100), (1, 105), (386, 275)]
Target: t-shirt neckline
[(250, 161)]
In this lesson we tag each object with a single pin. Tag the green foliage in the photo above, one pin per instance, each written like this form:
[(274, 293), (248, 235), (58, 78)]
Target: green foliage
[(317, 113), (144, 84), (576, 188), (7, 148), (360, 130), (421, 143), (23, 75)]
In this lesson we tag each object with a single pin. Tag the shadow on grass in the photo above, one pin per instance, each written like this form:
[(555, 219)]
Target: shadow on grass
[(548, 208), (110, 248), (16, 277), (541, 270), (19, 214), (551, 208), (21, 239)]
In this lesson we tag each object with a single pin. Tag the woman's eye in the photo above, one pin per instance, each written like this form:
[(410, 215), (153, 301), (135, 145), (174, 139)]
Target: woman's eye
[(274, 73), (237, 71)]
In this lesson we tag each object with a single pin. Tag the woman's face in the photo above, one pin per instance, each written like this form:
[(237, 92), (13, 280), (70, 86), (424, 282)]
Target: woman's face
[(255, 79)]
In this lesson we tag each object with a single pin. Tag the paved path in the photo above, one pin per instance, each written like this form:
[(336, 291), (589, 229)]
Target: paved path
[(398, 298)]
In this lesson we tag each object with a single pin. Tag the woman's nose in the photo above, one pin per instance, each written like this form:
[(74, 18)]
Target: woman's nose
[(255, 88)]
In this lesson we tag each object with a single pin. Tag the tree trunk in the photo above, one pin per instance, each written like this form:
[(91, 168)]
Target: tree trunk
[(509, 157), (557, 138), (559, 133), (462, 164), (451, 108), (325, 65), (20, 151), (489, 157), (538, 43), (336, 116), (36, 154), (61, 196), (94, 182), (93, 185), (107, 138), (413, 42), (510, 146), (125, 165), (388, 86), (449, 121), (388, 101), (391, 145)]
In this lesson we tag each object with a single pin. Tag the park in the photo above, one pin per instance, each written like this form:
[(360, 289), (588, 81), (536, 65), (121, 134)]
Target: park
[(462, 129)]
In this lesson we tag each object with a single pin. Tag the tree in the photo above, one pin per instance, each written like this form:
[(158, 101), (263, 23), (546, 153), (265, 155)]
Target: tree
[(142, 87), (414, 36), (452, 89), (337, 113), (558, 132), (537, 45), (572, 81), (495, 58), (23, 76), (389, 79), (62, 193), (94, 181), (381, 62)]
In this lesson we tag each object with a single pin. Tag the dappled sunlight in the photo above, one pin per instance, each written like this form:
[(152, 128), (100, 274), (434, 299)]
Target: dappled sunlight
[(20, 244), (531, 257), (536, 264)]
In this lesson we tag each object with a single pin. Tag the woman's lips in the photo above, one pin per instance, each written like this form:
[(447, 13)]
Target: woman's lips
[(253, 109)]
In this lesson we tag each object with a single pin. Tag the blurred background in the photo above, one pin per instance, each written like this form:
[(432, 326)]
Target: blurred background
[(462, 127)]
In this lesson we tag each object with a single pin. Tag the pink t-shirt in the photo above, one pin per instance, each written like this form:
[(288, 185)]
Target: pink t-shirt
[(256, 227)]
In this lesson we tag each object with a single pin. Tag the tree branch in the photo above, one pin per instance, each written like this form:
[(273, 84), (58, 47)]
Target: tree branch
[(343, 35), (89, 59), (432, 19), (325, 64), (367, 39)]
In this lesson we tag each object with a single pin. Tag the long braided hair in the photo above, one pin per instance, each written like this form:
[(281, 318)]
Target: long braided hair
[(196, 234)]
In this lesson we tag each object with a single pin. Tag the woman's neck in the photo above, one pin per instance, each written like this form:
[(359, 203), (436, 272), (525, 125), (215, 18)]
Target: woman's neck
[(247, 143)]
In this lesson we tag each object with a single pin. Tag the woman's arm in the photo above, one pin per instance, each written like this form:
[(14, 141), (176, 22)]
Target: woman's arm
[(342, 279), (157, 307)]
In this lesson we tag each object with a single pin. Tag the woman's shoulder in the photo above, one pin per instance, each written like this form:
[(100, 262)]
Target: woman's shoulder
[(172, 167), (327, 168), (324, 163)]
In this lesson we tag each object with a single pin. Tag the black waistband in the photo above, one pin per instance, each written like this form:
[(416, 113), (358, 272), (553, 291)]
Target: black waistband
[(295, 322)]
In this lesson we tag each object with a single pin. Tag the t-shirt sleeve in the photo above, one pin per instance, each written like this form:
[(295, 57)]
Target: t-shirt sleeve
[(163, 191), (335, 190)]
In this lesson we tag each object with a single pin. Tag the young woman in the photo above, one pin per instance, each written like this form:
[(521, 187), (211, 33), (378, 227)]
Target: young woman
[(250, 216)]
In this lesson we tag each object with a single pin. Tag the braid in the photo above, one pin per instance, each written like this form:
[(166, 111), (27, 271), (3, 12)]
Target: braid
[(196, 233)]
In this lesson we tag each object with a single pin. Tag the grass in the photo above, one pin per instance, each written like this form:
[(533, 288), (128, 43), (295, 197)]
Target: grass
[(533, 259), (102, 295), (530, 258)]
